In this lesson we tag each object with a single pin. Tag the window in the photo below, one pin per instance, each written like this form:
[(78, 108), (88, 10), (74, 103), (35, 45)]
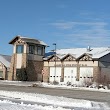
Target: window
[(19, 48), (71, 71), (31, 49), (1, 74), (40, 50)]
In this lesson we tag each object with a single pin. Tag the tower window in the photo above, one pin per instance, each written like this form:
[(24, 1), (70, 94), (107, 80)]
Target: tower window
[(19, 48), (40, 50), (31, 49)]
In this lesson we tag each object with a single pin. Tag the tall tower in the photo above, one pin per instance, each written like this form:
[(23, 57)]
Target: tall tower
[(27, 59)]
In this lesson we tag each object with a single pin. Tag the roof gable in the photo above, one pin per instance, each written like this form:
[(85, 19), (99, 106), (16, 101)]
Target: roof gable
[(54, 58), (68, 57), (27, 40), (20, 41), (85, 57), (14, 40)]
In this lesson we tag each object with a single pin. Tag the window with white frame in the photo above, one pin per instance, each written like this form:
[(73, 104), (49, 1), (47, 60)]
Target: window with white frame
[(19, 48)]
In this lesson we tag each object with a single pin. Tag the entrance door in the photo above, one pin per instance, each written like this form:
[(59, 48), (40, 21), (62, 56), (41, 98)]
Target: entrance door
[(55, 74), (70, 75)]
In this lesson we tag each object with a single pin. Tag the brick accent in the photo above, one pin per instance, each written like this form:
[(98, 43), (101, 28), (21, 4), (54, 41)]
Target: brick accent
[(34, 70), (5, 73), (46, 75), (62, 74), (24, 60), (12, 73), (78, 72), (97, 75)]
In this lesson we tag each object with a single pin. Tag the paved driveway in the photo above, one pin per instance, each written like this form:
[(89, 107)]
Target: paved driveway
[(76, 94)]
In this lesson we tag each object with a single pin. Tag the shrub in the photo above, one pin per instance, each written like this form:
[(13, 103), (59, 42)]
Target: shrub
[(21, 74), (55, 83)]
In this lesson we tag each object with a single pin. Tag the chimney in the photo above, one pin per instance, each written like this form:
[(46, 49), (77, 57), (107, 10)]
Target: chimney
[(88, 48)]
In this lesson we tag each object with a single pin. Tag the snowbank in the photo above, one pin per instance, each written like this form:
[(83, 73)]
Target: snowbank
[(8, 105), (53, 101)]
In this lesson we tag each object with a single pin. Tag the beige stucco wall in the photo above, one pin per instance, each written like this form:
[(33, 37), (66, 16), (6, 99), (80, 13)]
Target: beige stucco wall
[(25, 48), (89, 63), (1, 66), (46, 63), (71, 63), (19, 61)]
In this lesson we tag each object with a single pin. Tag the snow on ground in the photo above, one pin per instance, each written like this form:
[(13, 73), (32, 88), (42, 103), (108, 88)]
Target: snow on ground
[(63, 86), (48, 85), (8, 105), (49, 102), (16, 83)]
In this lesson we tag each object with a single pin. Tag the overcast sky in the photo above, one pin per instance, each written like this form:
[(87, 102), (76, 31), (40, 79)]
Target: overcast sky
[(69, 23)]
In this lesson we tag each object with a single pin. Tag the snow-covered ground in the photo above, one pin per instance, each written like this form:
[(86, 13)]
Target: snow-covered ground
[(63, 86), (48, 85), (8, 105), (47, 102)]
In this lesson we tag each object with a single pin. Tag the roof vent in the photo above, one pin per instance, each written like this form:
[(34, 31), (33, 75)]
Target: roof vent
[(88, 48)]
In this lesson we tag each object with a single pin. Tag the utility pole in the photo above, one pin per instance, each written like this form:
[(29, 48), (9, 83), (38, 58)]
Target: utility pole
[(55, 61)]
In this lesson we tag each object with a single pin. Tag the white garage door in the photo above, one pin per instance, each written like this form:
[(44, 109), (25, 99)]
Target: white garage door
[(86, 75), (55, 74), (70, 75)]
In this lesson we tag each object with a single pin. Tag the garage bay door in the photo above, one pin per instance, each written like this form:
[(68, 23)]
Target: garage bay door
[(55, 74), (86, 75), (70, 75)]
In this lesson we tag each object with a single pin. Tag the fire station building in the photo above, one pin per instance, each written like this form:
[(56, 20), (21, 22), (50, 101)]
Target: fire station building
[(78, 66)]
